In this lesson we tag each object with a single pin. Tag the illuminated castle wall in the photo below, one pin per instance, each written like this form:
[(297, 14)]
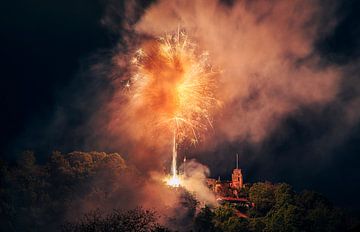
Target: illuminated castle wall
[(237, 178), (226, 188)]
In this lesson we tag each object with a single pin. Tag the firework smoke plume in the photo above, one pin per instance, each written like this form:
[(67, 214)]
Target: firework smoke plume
[(213, 72)]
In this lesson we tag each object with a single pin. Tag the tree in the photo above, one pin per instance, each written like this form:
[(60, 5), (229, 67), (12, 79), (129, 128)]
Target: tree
[(284, 194), (136, 220), (226, 220), (285, 218), (204, 220), (27, 160), (263, 196), (256, 224), (36, 197), (320, 215)]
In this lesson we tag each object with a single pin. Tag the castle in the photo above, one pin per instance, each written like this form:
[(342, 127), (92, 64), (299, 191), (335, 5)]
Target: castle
[(230, 191), (228, 188)]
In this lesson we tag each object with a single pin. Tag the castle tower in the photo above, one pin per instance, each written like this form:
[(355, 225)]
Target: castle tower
[(237, 177)]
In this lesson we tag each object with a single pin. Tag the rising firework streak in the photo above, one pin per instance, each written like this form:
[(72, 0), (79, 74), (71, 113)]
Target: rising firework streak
[(178, 83)]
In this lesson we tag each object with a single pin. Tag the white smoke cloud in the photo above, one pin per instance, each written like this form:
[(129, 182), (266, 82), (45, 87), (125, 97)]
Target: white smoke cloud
[(266, 52), (195, 182)]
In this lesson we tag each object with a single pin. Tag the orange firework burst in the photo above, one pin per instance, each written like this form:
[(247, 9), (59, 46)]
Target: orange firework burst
[(177, 83)]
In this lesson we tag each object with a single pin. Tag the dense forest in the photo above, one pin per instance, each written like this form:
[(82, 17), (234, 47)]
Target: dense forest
[(51, 197)]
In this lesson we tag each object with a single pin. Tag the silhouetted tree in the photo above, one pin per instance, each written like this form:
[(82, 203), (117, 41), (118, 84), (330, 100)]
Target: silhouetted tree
[(204, 220), (277, 208), (263, 196), (136, 220), (36, 197)]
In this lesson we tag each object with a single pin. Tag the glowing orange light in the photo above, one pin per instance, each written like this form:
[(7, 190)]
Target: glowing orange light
[(173, 180), (176, 85)]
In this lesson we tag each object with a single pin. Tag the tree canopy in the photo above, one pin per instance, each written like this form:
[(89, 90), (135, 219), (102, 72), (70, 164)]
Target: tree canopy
[(39, 197), (36, 197), (277, 207)]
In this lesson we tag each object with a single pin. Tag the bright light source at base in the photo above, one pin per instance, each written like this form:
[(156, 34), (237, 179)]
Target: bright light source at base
[(173, 181)]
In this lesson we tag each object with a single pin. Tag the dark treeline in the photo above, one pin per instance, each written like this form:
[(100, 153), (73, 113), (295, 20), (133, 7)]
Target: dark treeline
[(42, 197), (46, 197), (277, 208)]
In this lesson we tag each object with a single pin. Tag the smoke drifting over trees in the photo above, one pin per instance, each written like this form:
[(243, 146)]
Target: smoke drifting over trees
[(42, 197), (96, 191)]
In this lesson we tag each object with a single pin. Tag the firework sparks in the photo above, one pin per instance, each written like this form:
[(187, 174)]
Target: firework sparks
[(178, 84)]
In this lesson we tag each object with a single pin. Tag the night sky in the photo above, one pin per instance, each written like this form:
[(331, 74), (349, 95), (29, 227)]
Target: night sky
[(46, 46)]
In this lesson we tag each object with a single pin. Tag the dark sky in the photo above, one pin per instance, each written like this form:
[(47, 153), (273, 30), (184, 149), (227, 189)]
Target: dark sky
[(44, 45)]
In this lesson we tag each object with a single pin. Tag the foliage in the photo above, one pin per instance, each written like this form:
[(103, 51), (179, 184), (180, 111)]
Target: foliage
[(203, 221), (38, 197), (136, 220), (263, 196), (183, 212), (225, 219), (276, 208)]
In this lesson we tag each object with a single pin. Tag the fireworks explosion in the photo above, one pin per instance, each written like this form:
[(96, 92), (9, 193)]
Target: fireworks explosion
[(176, 81)]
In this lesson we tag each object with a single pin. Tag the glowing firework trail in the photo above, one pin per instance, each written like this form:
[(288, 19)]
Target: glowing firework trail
[(176, 84), (174, 180), (174, 157)]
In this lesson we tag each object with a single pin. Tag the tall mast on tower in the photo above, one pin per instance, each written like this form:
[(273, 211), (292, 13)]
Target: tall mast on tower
[(237, 161), (184, 166)]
